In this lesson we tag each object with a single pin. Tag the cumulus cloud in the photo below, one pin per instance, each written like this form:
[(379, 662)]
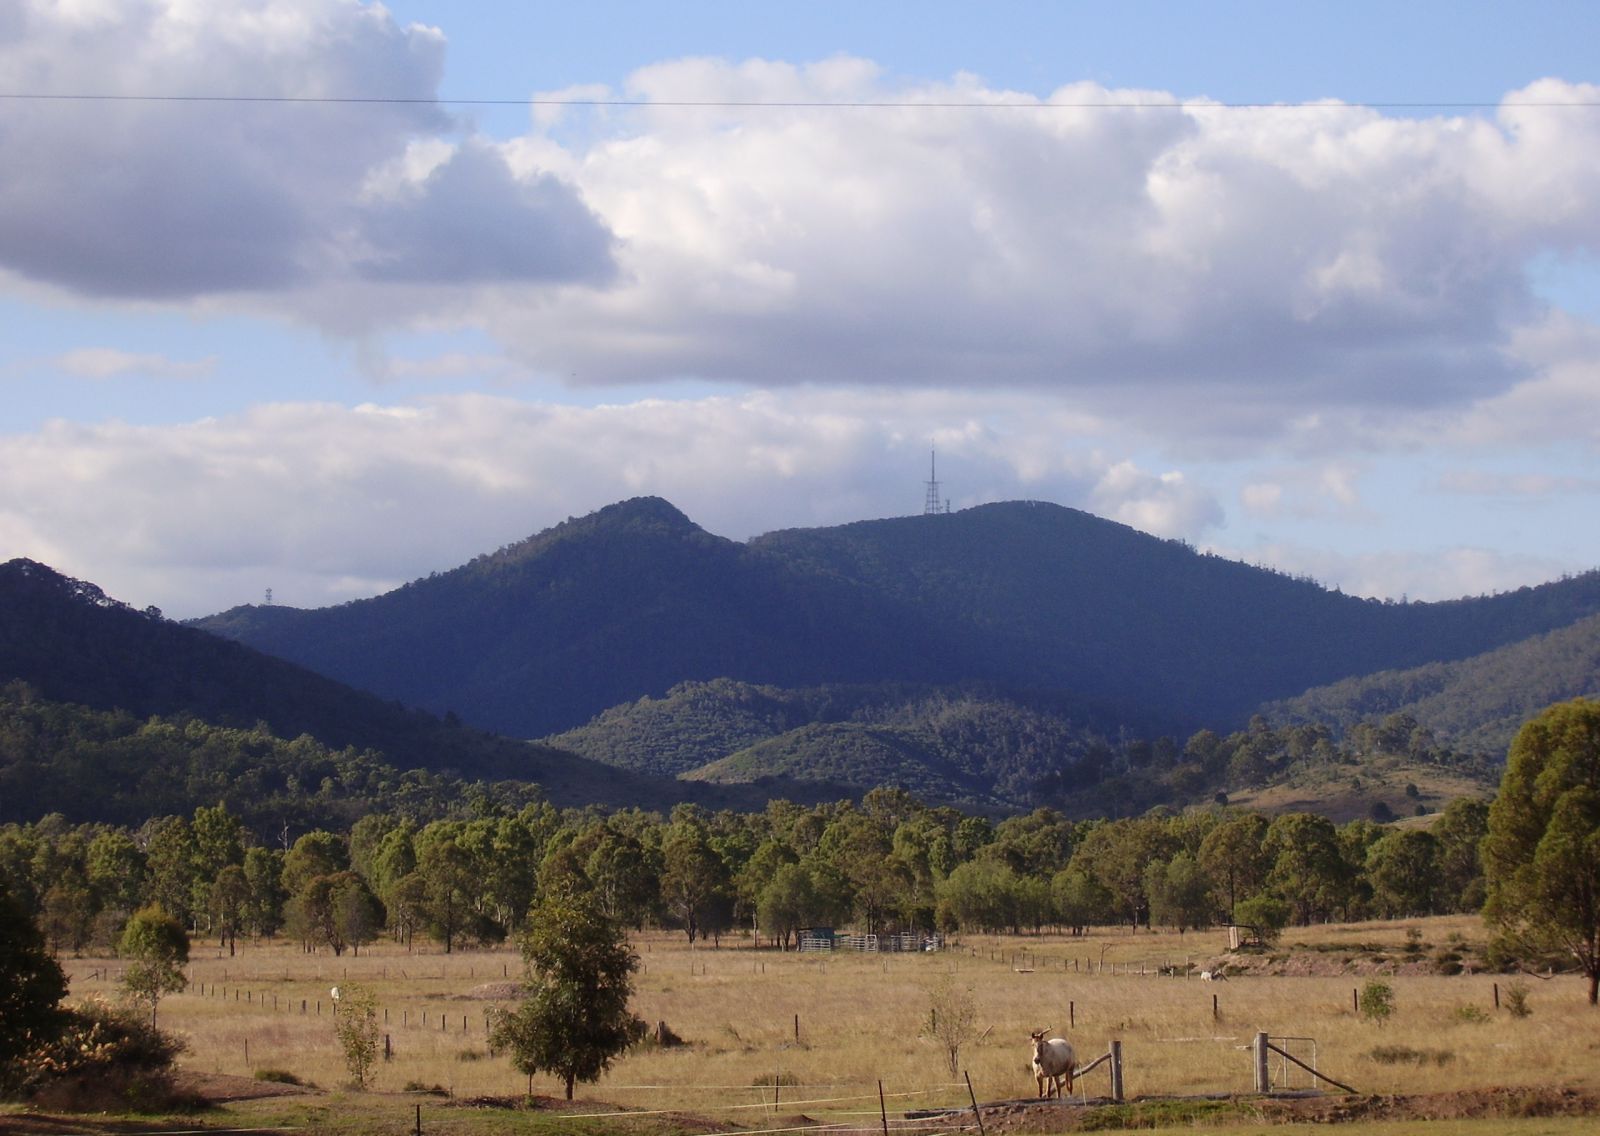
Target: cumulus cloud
[(1274, 270), (118, 184), (322, 502), (1280, 275)]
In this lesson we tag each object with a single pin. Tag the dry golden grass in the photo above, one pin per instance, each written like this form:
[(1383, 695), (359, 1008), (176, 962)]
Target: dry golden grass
[(862, 1018)]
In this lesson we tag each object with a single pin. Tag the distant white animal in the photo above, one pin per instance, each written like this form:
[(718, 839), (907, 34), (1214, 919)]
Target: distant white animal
[(334, 993), (1213, 976), (1053, 1062)]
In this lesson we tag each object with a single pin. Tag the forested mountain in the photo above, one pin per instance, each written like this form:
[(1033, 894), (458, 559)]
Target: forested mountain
[(1474, 704), (67, 650), (631, 600), (634, 599)]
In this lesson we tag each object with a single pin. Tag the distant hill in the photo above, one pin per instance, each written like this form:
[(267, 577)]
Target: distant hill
[(632, 600), (70, 644), (1062, 599), (1474, 704), (978, 747)]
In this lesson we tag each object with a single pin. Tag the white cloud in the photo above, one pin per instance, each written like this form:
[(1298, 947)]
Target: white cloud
[(1313, 490), (1436, 574), (1278, 255), (1482, 483), (321, 502), (111, 363), (1296, 275), (1165, 504), (175, 200)]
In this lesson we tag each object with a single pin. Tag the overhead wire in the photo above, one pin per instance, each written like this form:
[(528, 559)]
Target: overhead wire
[(787, 104)]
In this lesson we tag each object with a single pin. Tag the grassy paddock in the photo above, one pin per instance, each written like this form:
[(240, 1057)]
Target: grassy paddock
[(863, 1018)]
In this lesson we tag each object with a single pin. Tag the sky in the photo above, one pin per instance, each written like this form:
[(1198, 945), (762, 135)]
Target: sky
[(320, 296)]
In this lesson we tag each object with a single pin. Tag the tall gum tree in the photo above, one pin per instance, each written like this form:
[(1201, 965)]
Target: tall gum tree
[(1541, 856)]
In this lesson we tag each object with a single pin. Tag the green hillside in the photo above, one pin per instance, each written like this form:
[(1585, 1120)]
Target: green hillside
[(1475, 704)]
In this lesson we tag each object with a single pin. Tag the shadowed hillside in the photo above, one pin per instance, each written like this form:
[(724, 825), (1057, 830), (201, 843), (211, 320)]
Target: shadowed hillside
[(634, 599), (73, 647)]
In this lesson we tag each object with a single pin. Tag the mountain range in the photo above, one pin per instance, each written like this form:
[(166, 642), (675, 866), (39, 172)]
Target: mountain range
[(1145, 634), (991, 656)]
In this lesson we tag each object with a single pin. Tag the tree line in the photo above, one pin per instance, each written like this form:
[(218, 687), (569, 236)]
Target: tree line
[(888, 863)]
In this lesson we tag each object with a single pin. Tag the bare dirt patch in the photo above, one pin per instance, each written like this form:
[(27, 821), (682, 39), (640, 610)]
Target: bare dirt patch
[(219, 1088)]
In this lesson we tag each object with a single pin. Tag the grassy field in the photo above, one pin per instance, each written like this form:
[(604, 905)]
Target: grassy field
[(829, 1029)]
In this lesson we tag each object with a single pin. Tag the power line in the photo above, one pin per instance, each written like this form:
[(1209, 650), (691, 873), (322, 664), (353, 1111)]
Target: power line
[(782, 104)]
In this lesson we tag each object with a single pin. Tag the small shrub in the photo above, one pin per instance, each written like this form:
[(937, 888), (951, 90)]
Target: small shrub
[(768, 1080), (1377, 1001), (357, 1028), (1516, 999), (1414, 943), (1472, 1015), (420, 1087), (277, 1076), (470, 1055), (952, 1018), (106, 1058)]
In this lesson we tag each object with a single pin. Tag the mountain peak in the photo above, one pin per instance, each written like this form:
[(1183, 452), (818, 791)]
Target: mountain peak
[(22, 577), (636, 511)]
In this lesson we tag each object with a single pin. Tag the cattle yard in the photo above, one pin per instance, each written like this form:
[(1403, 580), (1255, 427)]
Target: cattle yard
[(768, 1037)]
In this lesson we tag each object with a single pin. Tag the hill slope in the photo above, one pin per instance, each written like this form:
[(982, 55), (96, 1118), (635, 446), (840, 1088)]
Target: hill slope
[(72, 644), (1065, 599), (1474, 704), (635, 599)]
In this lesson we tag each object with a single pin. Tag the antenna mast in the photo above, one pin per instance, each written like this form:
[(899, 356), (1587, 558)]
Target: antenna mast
[(934, 503)]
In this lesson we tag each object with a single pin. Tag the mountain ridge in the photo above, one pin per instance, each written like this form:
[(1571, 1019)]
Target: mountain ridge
[(635, 598)]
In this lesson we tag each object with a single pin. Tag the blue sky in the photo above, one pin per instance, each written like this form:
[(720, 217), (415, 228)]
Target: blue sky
[(325, 347)]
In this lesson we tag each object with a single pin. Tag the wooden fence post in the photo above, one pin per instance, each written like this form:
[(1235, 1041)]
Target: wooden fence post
[(1263, 1077), (1116, 1071), (974, 1097)]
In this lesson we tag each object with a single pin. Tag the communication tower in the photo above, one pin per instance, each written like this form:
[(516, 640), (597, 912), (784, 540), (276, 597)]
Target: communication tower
[(934, 503)]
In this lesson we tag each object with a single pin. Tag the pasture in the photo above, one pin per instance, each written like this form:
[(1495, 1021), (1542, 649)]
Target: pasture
[(772, 1037)]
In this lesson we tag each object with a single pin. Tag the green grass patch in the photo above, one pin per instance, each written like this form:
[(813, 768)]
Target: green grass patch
[(1166, 1114)]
